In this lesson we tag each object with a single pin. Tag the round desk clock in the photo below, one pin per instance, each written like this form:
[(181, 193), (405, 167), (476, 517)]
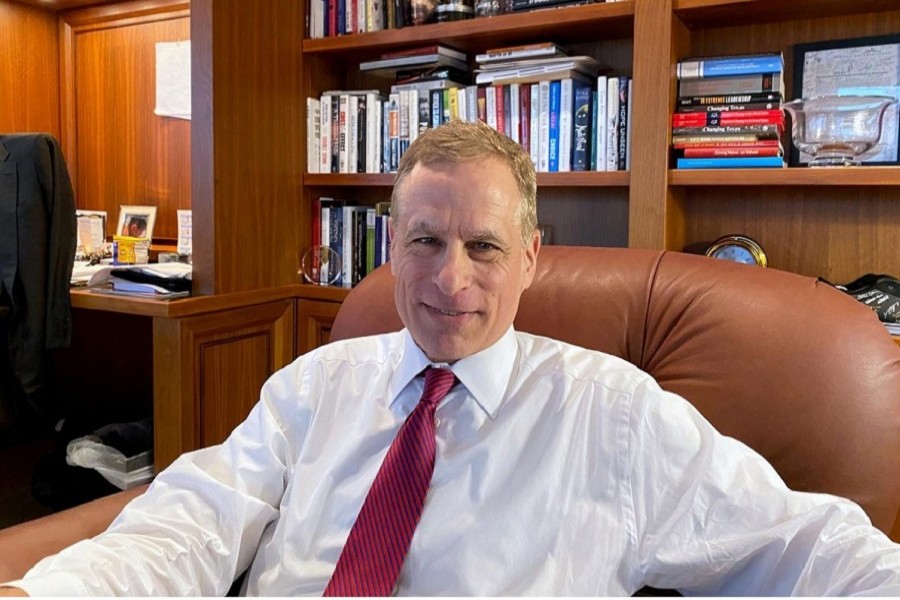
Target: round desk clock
[(738, 248)]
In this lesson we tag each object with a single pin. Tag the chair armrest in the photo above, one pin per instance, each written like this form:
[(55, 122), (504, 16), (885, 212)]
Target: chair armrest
[(23, 545)]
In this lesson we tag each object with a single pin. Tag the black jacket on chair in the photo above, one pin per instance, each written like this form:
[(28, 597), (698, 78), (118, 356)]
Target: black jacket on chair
[(37, 249)]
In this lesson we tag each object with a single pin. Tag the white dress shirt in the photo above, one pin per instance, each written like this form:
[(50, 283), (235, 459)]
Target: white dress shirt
[(559, 471)]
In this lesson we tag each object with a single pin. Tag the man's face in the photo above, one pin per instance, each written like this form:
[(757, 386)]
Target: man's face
[(457, 255)]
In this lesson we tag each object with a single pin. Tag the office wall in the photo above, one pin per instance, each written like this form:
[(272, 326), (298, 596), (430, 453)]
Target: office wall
[(29, 70), (121, 153)]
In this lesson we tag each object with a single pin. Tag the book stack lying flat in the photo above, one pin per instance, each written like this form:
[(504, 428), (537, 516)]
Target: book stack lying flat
[(728, 113)]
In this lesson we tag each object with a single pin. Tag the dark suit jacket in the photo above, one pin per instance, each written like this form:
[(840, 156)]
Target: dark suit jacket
[(37, 249)]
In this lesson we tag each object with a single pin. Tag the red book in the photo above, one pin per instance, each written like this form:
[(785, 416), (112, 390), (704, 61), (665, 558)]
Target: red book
[(722, 152), (525, 116), (501, 122), (753, 144), (727, 117)]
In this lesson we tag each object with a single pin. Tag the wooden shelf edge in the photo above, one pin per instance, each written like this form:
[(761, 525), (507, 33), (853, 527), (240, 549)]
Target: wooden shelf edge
[(514, 25), (726, 13), (853, 176), (570, 179)]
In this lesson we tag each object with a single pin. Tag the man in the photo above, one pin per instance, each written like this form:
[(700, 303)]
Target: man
[(557, 470), (136, 227)]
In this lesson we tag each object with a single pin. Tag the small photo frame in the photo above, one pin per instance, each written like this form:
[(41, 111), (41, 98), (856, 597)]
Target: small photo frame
[(136, 221), (858, 66)]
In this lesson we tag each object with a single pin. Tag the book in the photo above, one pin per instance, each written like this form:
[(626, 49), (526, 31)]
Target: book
[(612, 123), (538, 50), (726, 108), (744, 162), (391, 65), (766, 131), (553, 152), (735, 84), (313, 134), (731, 151), (600, 121), (729, 98), (426, 51), (582, 131), (749, 64), (622, 122), (523, 69), (728, 117)]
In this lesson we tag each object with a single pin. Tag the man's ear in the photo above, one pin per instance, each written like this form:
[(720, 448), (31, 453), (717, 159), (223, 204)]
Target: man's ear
[(530, 258), (393, 240)]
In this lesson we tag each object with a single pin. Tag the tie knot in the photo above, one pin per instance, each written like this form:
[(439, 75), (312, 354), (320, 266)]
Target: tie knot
[(437, 383)]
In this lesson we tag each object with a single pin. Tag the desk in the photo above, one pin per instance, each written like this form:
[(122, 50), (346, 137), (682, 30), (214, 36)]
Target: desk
[(211, 354)]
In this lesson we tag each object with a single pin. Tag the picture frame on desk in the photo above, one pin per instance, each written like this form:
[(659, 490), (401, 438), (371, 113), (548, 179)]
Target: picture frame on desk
[(856, 66), (136, 221)]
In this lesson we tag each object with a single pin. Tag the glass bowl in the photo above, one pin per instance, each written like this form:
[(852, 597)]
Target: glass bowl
[(836, 130)]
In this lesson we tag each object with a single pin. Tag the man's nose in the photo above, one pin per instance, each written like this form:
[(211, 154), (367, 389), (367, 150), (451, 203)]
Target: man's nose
[(454, 271)]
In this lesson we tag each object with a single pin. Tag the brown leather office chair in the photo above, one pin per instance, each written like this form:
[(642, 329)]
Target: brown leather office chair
[(801, 372)]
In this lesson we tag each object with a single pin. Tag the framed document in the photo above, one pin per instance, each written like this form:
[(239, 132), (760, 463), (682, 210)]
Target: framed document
[(853, 67)]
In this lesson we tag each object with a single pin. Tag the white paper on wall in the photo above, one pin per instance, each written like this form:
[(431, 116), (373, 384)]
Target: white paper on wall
[(173, 79)]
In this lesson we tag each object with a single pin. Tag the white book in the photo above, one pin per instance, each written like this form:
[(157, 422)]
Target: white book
[(362, 11), (403, 132), (325, 134), (317, 19), (313, 134), (566, 103), (375, 15), (373, 133), (612, 124), (514, 113), (544, 128), (343, 133), (461, 103), (349, 16), (353, 135), (413, 103), (628, 127), (600, 124), (471, 103), (379, 141), (490, 106), (534, 122)]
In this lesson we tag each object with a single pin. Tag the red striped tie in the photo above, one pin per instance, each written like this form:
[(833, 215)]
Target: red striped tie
[(371, 560)]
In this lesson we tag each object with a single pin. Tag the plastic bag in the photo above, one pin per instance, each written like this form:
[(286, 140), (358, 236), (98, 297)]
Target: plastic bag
[(121, 471)]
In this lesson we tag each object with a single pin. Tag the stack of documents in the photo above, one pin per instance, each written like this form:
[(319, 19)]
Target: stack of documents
[(162, 280)]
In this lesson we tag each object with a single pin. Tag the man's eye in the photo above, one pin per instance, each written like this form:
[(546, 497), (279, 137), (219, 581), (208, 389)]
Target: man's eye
[(483, 247), (425, 241)]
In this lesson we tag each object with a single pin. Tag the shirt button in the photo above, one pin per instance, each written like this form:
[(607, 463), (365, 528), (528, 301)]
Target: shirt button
[(437, 422)]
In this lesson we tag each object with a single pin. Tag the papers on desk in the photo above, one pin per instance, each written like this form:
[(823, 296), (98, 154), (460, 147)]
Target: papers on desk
[(160, 281)]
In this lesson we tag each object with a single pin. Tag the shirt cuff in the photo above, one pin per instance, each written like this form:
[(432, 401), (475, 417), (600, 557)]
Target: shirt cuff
[(58, 584)]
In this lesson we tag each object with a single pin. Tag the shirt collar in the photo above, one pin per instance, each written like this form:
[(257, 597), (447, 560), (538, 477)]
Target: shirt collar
[(485, 374)]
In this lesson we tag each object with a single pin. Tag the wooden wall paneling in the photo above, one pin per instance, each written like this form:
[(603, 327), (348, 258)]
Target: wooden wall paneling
[(585, 216), (314, 321), (122, 152), (655, 208), (208, 371), (833, 232), (251, 153), (29, 70)]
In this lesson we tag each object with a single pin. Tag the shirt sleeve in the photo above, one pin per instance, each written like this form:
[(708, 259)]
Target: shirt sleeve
[(711, 517), (198, 526)]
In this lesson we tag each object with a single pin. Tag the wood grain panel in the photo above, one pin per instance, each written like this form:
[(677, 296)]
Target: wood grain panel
[(124, 154), (208, 370), (314, 321), (227, 401), (250, 148), (585, 217), (832, 232), (29, 70)]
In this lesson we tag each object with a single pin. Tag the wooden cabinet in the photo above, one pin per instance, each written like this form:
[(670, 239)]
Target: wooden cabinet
[(836, 224), (209, 368), (314, 320)]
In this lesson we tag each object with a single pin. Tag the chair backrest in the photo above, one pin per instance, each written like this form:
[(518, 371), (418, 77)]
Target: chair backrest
[(797, 370)]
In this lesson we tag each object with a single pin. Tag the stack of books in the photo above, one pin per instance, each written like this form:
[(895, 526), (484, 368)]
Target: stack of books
[(357, 234), (728, 113)]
